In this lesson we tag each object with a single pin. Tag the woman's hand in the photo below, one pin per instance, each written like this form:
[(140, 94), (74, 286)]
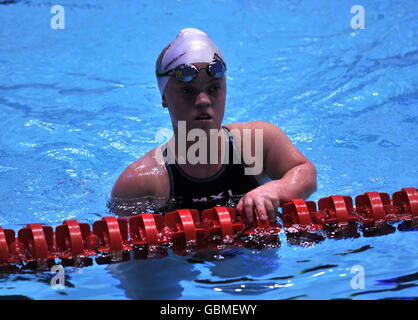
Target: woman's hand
[(292, 175), (265, 199)]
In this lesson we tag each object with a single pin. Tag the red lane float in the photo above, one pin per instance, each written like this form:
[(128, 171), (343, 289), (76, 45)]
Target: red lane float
[(302, 222), (71, 240), (337, 210), (38, 241), (298, 215), (337, 218), (371, 207), (407, 202), (184, 224), (187, 230), (223, 227), (222, 221), (7, 238), (146, 230), (112, 234)]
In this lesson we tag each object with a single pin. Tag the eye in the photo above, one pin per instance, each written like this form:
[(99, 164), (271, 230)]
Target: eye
[(187, 90), (214, 89)]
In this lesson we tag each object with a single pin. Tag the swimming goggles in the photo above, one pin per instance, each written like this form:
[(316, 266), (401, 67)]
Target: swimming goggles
[(188, 72)]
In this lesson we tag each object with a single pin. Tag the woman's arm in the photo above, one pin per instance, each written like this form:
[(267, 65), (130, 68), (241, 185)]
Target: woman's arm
[(293, 175), (143, 184)]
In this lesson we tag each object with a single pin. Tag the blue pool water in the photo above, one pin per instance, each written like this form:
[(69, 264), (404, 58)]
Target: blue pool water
[(80, 104)]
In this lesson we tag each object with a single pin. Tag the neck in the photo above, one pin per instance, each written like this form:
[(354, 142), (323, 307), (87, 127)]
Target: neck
[(199, 153)]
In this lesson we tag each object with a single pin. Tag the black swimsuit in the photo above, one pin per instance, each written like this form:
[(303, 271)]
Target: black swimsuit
[(225, 188)]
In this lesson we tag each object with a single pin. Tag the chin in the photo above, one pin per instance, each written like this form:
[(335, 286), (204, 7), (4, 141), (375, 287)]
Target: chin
[(206, 124)]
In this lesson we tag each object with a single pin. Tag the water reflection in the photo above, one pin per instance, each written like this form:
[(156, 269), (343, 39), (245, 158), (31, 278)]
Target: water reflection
[(154, 279)]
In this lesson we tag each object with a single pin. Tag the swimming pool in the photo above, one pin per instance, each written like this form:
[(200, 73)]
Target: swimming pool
[(79, 104)]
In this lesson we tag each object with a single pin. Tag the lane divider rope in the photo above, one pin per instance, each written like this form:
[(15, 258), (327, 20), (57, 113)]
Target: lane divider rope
[(186, 231)]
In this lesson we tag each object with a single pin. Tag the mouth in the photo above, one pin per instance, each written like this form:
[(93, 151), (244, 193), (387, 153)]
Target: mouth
[(203, 116)]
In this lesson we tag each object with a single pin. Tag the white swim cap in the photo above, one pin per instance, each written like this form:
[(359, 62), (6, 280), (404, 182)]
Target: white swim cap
[(190, 46)]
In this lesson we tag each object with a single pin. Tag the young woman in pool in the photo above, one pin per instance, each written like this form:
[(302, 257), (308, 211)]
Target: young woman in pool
[(222, 165)]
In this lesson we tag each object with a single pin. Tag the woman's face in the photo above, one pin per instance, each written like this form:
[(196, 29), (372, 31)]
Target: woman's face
[(200, 102)]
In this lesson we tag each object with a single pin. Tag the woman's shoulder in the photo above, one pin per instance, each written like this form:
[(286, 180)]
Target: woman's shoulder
[(256, 124), (143, 177), (254, 128)]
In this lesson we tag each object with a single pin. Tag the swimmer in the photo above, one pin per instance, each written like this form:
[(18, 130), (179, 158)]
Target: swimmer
[(191, 75)]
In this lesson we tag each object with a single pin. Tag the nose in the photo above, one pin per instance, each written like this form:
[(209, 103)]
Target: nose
[(202, 100)]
